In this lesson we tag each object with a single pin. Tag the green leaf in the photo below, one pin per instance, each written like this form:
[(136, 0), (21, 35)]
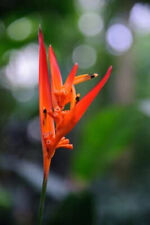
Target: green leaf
[(104, 137)]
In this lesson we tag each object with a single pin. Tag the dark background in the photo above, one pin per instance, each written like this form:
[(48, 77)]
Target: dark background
[(105, 180)]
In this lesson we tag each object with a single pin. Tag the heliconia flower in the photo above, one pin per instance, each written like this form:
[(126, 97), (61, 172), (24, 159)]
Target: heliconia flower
[(55, 121)]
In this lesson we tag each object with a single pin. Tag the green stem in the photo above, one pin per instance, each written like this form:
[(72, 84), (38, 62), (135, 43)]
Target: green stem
[(42, 200)]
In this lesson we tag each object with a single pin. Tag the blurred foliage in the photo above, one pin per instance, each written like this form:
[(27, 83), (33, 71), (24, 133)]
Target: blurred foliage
[(75, 209), (112, 142), (142, 147), (104, 137), (5, 201), (5, 208)]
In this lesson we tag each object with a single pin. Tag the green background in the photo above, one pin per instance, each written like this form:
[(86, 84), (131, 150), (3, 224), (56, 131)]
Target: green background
[(105, 180)]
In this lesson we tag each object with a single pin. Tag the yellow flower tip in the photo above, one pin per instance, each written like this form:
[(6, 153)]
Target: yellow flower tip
[(94, 75)]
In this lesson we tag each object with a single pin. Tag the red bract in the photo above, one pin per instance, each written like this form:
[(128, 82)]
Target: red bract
[(55, 121)]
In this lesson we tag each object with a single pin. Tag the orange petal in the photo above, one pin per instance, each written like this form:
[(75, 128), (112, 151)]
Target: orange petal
[(73, 97), (84, 77), (68, 146), (45, 103), (84, 103), (70, 79), (74, 115), (55, 71)]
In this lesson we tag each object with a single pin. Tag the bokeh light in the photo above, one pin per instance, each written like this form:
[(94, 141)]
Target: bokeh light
[(19, 29), (106, 178), (22, 69), (119, 38), (85, 55), (91, 5), (144, 106), (90, 24), (140, 17)]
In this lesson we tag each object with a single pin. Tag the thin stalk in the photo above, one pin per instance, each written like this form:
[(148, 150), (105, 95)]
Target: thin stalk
[(42, 200)]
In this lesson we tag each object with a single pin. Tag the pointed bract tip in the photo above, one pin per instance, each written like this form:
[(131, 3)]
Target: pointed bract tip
[(110, 68), (51, 49), (76, 65), (108, 73), (40, 34)]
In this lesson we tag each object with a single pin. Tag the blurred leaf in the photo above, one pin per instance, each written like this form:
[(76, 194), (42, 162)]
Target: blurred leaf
[(5, 200), (142, 145), (141, 51), (8, 104), (75, 209), (105, 136)]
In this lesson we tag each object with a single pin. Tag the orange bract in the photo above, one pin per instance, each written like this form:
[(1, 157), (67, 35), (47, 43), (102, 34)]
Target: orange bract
[(55, 121)]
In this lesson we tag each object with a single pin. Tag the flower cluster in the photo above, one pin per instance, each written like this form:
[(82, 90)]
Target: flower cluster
[(55, 120)]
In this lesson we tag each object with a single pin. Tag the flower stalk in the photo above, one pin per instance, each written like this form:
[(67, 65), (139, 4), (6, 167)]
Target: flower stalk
[(55, 121), (42, 200)]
